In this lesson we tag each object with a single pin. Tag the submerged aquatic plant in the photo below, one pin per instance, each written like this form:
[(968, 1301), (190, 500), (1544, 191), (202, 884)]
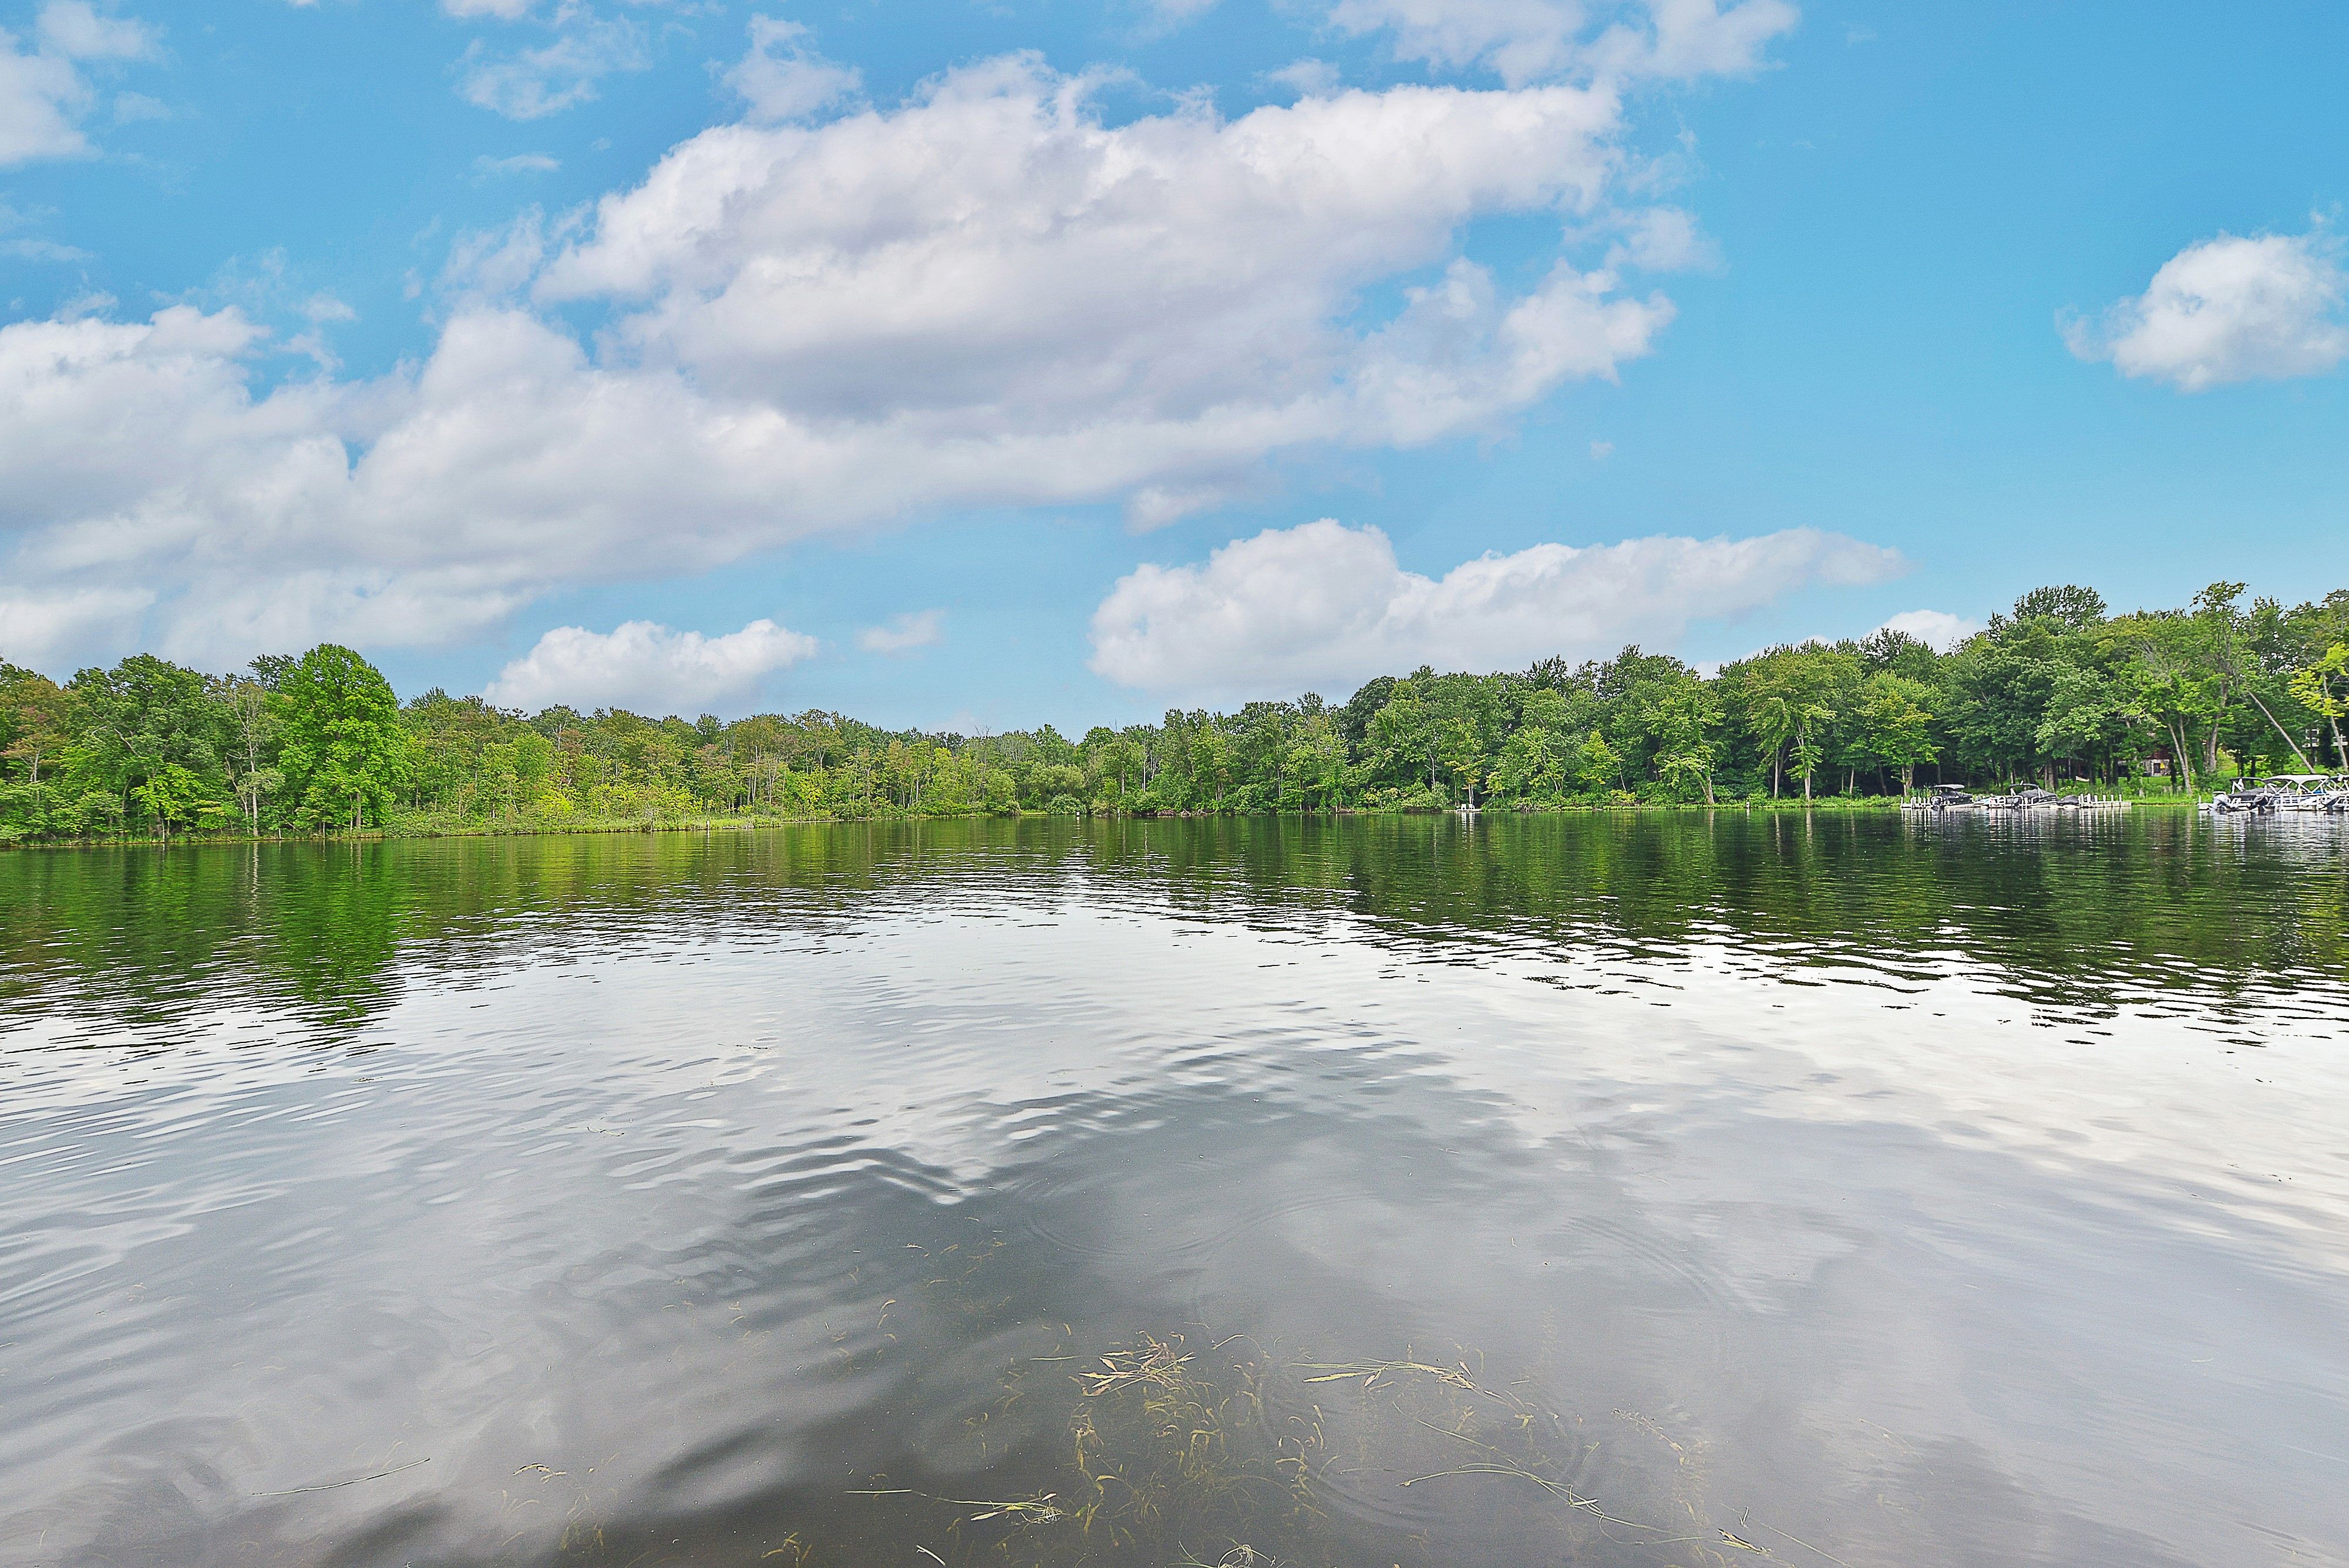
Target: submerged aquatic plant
[(1166, 1451), (1038, 1509), (1227, 1456)]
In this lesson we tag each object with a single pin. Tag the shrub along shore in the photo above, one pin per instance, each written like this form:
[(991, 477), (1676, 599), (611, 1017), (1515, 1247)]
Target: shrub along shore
[(2154, 705)]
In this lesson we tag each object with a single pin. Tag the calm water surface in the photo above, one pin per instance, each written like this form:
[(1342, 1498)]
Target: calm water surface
[(1630, 1190)]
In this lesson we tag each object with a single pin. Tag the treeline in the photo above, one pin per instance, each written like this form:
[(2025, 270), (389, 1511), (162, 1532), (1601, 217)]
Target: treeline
[(2058, 691)]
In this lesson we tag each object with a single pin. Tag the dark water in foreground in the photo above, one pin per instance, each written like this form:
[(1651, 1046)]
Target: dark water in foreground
[(1855, 1191)]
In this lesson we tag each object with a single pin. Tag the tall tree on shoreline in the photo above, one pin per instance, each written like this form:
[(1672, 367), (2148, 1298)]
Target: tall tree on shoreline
[(344, 751)]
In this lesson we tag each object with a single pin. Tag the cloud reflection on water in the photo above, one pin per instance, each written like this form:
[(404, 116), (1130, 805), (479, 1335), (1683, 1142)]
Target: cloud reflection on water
[(636, 1159)]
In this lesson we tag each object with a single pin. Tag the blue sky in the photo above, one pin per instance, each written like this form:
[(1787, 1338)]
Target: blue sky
[(994, 364)]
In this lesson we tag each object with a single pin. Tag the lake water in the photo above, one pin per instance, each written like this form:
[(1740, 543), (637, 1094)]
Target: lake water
[(1591, 1190)]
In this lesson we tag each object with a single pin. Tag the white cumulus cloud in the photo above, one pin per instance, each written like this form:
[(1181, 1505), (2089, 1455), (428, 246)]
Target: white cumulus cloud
[(44, 92), (1690, 38), (1327, 606), (1937, 629), (1663, 239), (60, 630), (2233, 308), (41, 98), (533, 83), (836, 314), (79, 31), (1175, 13), (1531, 40), (648, 667), (982, 297), (486, 166), (781, 80), (903, 633), (1310, 78), (990, 259), (37, 250)]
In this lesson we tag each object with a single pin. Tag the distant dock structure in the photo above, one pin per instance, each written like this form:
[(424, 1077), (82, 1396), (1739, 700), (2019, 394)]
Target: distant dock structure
[(1957, 798)]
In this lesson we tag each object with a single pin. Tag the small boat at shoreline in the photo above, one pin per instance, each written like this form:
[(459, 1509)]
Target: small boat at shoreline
[(1945, 797)]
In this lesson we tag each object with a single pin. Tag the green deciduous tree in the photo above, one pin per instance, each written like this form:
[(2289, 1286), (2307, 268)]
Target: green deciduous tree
[(2323, 687), (342, 751), (132, 722), (1538, 759), (1897, 723), (1682, 720)]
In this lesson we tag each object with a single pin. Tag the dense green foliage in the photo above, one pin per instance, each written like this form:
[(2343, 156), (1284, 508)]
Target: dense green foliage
[(2057, 692)]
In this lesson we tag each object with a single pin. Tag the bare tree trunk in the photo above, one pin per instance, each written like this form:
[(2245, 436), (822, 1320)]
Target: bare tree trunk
[(2280, 730), (2211, 748)]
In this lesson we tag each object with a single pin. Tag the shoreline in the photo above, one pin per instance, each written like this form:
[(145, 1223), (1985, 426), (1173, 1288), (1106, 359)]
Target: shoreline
[(1841, 805)]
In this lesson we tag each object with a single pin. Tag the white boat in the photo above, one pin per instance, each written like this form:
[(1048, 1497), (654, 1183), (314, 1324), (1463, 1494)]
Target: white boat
[(2282, 792), (1945, 797), (2307, 791)]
